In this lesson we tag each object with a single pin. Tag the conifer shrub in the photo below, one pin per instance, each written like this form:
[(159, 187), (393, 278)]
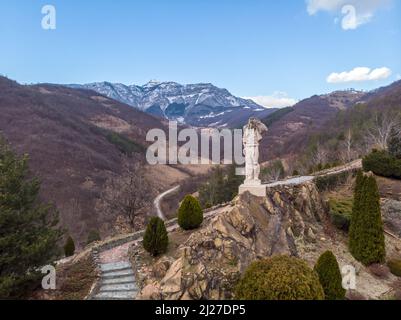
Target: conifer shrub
[(69, 247), (155, 240), (279, 278), (382, 163), (330, 276), (366, 234), (395, 266), (331, 181), (190, 214), (340, 212)]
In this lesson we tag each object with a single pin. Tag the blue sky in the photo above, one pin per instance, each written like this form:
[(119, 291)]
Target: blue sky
[(278, 50)]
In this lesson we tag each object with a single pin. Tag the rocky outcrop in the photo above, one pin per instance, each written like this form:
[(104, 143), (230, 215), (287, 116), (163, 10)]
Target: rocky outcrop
[(210, 262)]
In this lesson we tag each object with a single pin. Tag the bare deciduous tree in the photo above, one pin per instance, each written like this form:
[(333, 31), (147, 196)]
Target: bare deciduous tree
[(273, 172), (320, 155), (347, 145), (129, 194), (379, 131)]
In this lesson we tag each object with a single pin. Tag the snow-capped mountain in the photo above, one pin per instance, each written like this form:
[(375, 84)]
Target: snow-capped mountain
[(199, 105)]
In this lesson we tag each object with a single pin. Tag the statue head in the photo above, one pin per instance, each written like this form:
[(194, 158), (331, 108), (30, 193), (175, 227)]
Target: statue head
[(257, 125)]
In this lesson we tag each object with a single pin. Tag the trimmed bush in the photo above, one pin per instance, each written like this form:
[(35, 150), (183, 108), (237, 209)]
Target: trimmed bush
[(382, 164), (279, 278), (331, 181), (340, 213), (395, 267), (330, 276), (69, 247), (190, 214), (366, 235), (93, 236), (155, 240)]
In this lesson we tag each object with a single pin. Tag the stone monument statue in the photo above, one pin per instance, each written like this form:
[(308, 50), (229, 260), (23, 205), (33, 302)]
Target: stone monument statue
[(252, 135)]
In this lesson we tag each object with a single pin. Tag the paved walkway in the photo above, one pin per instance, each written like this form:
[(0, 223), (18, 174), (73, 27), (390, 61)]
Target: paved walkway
[(302, 179), (117, 280)]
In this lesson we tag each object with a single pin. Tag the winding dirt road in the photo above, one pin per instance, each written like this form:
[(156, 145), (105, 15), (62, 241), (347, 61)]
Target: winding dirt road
[(158, 200)]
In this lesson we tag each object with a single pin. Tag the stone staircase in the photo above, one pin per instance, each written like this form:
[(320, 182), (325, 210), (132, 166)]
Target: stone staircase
[(117, 282)]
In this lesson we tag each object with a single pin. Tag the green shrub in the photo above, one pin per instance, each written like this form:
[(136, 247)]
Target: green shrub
[(279, 278), (366, 234), (383, 164), (295, 173), (340, 213), (395, 266), (93, 236), (331, 181), (330, 276), (190, 214), (155, 240), (69, 247)]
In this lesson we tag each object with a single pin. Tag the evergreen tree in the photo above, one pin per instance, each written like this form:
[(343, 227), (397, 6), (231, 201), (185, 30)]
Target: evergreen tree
[(366, 237), (28, 233), (69, 247), (155, 240), (330, 276), (190, 214), (394, 143)]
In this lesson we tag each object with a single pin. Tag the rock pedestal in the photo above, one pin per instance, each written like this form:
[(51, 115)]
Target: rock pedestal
[(255, 188)]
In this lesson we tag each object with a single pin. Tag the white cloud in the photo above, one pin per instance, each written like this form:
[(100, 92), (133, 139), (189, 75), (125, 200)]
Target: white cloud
[(398, 77), (359, 74), (276, 100), (353, 13)]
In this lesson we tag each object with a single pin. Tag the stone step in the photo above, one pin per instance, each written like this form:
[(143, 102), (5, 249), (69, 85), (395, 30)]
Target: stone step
[(116, 295), (118, 273), (118, 287), (105, 267), (121, 279)]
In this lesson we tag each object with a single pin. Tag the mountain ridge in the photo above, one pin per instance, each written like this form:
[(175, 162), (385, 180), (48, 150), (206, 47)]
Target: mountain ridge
[(199, 105)]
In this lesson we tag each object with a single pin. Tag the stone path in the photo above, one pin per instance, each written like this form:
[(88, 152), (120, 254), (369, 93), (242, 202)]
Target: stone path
[(302, 179), (117, 280)]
